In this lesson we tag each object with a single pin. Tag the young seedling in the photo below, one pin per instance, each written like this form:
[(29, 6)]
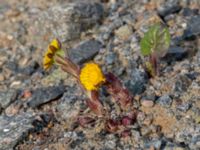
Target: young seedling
[(154, 44)]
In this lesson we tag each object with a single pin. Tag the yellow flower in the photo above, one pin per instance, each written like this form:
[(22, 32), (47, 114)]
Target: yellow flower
[(91, 76), (55, 43), (48, 59)]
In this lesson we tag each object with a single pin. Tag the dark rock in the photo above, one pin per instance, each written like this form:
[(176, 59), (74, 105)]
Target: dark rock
[(42, 122), (181, 84), (184, 107), (86, 50), (171, 8), (44, 95), (189, 12), (165, 101), (66, 21), (108, 31), (192, 75), (177, 40), (169, 144), (69, 105), (15, 129), (175, 53), (29, 70), (137, 82), (7, 97), (193, 28), (110, 58)]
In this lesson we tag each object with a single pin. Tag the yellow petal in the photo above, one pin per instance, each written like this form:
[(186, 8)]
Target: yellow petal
[(47, 62), (56, 44), (91, 76), (48, 58)]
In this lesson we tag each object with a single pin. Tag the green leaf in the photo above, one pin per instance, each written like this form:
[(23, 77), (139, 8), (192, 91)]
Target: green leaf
[(156, 39)]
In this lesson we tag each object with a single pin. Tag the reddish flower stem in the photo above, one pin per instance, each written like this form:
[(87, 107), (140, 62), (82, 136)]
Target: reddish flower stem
[(116, 89), (153, 59)]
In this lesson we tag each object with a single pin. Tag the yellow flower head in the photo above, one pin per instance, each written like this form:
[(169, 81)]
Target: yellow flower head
[(91, 76), (48, 59)]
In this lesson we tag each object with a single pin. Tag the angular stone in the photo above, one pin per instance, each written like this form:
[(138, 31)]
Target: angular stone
[(110, 58), (44, 95), (184, 107), (181, 84), (7, 97), (66, 22), (124, 32), (193, 28), (189, 12), (30, 69), (147, 103), (86, 50), (13, 129), (137, 82), (169, 9), (176, 53), (165, 101), (69, 105)]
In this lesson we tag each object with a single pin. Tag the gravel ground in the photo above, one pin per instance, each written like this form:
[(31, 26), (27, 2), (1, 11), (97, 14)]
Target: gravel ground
[(38, 109)]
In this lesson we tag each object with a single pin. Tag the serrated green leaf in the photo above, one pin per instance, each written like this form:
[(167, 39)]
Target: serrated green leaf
[(156, 39)]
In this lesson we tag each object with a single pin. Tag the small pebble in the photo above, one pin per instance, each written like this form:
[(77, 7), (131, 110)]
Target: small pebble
[(15, 84), (124, 32), (13, 109), (147, 103), (5, 130), (165, 101)]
